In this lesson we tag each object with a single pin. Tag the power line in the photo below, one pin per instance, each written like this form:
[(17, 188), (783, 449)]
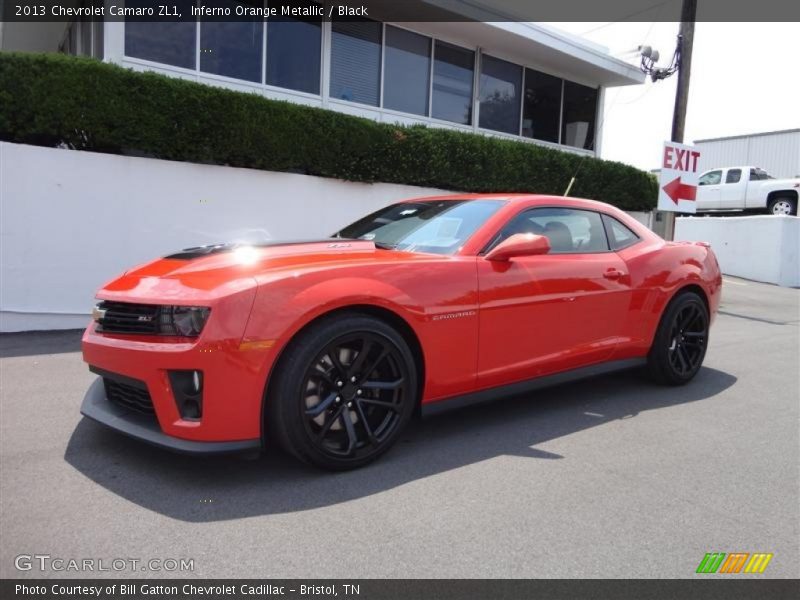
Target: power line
[(628, 17)]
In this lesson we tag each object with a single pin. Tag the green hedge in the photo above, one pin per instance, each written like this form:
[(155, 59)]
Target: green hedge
[(51, 100)]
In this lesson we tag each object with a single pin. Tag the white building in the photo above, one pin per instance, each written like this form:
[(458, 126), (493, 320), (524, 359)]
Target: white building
[(521, 80), (777, 152)]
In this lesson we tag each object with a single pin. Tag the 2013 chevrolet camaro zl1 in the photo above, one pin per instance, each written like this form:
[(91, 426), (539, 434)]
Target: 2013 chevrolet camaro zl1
[(329, 347)]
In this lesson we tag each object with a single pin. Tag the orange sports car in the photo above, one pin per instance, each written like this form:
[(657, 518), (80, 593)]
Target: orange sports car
[(330, 347)]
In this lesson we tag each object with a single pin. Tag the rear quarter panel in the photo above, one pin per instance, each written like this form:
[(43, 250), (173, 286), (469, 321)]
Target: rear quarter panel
[(659, 270)]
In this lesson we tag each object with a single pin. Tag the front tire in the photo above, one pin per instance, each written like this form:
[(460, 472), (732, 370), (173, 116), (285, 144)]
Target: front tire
[(782, 205), (681, 340), (345, 389)]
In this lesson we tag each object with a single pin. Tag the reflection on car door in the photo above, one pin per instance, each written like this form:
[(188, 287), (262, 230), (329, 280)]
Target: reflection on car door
[(553, 312)]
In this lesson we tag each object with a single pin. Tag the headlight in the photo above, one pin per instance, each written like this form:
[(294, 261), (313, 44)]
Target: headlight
[(186, 321), (149, 319)]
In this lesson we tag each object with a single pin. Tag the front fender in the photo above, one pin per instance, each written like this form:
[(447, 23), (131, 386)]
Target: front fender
[(438, 303)]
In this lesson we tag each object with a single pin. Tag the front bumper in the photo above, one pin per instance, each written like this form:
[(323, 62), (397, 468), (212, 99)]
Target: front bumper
[(98, 408)]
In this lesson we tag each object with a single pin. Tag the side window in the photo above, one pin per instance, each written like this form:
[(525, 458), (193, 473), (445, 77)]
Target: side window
[(754, 175), (569, 230), (733, 176), (619, 236), (711, 178)]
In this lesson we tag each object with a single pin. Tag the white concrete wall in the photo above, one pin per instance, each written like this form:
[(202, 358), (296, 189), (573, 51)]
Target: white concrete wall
[(762, 248), (69, 221)]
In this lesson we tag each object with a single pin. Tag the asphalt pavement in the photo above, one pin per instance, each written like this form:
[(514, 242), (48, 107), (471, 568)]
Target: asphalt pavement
[(610, 477)]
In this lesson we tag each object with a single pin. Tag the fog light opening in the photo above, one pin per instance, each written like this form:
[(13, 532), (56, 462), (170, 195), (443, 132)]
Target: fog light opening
[(187, 389)]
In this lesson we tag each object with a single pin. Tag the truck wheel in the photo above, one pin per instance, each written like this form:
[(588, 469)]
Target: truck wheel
[(782, 205)]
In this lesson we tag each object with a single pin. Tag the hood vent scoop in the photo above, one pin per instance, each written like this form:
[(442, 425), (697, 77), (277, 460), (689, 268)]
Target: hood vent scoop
[(201, 251)]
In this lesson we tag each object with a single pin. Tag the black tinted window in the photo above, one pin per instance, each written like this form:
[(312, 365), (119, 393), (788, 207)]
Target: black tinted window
[(453, 72), (733, 176), (619, 236), (293, 53), (406, 82), (580, 107), (541, 106), (569, 230)]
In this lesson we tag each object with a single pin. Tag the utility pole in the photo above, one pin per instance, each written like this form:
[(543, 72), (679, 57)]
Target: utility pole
[(685, 43)]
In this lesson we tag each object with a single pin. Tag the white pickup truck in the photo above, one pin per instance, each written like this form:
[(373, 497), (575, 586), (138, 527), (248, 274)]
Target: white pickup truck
[(746, 188)]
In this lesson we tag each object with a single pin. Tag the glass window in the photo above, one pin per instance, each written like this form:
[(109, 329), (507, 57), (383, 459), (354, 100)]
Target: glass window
[(97, 46), (167, 42), (569, 230), (733, 176), (499, 96), (434, 226), (73, 38), (758, 175), (541, 106), (356, 61), (406, 82), (86, 37), (232, 48), (619, 236), (710, 178), (293, 54), (453, 73), (580, 111)]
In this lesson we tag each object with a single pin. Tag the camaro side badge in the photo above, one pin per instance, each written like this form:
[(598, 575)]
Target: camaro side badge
[(455, 315)]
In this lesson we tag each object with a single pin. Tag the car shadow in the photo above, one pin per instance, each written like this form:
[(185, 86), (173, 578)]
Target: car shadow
[(229, 487), (35, 343)]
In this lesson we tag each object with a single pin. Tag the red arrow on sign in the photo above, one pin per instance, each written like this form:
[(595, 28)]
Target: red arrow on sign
[(680, 191)]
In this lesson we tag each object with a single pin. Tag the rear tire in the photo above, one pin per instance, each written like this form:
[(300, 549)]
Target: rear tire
[(344, 391), (782, 205), (680, 343)]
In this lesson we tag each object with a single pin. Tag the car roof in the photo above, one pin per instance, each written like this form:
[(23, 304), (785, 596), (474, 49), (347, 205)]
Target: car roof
[(530, 199)]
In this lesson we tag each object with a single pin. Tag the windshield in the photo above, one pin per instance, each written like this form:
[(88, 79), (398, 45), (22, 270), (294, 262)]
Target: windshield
[(433, 226)]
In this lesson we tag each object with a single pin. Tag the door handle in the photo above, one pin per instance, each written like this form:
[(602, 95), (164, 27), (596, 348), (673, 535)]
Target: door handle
[(613, 274)]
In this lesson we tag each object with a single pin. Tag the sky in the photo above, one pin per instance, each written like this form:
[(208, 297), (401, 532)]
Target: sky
[(743, 80)]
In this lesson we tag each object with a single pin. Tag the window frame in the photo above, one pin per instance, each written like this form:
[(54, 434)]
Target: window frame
[(495, 240), (608, 222)]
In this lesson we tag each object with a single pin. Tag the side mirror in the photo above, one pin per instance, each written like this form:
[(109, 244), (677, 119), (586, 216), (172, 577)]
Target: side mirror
[(519, 244)]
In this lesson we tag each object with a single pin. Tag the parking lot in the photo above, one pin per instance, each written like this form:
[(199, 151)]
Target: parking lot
[(610, 477)]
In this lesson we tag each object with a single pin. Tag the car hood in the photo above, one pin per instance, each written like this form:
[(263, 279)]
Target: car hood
[(206, 272)]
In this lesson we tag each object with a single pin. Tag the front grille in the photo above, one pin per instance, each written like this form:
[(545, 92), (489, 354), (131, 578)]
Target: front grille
[(126, 317), (133, 396)]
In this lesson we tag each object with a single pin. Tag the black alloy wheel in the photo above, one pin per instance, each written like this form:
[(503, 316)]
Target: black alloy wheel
[(688, 339), (681, 340), (348, 390)]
